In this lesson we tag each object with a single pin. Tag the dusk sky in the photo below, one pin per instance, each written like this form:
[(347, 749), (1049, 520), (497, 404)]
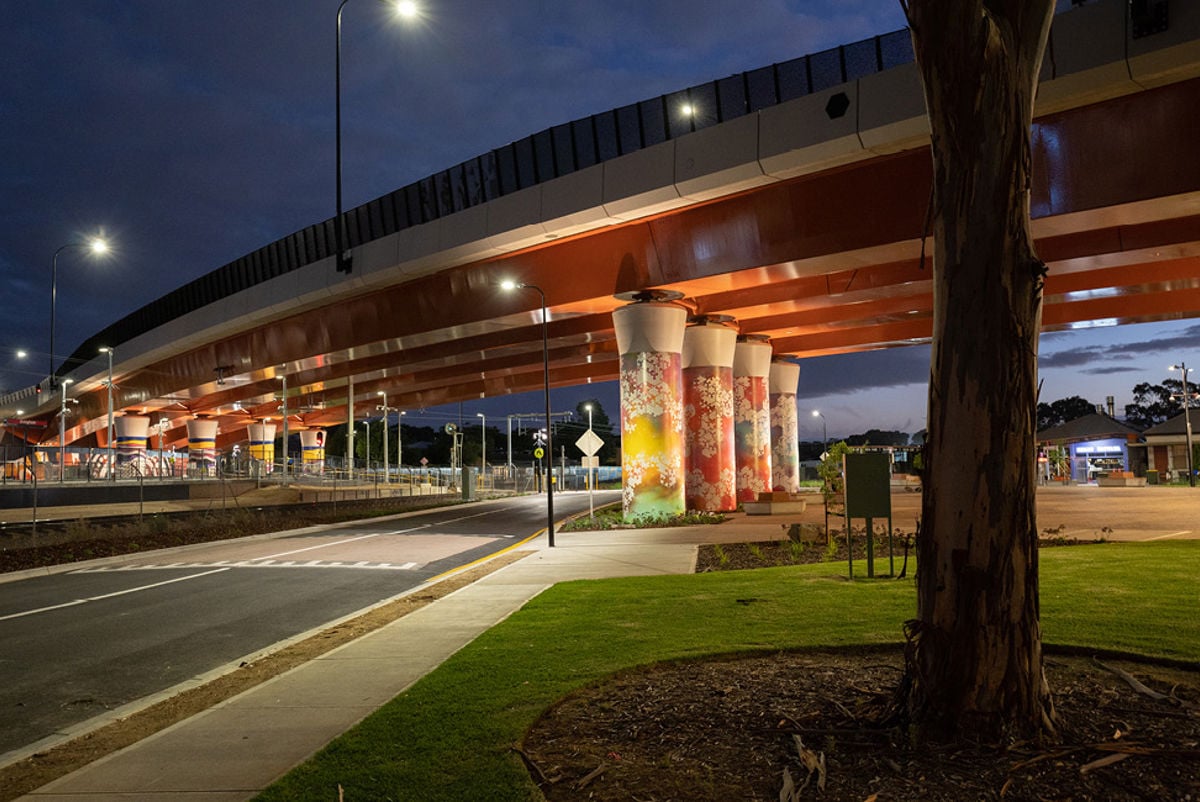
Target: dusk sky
[(192, 132)]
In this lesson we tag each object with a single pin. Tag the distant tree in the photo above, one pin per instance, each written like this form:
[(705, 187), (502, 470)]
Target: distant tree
[(1063, 411), (878, 437), (1152, 403), (811, 450)]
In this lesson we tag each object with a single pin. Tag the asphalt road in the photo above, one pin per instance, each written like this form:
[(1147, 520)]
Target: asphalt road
[(77, 644), (1088, 512)]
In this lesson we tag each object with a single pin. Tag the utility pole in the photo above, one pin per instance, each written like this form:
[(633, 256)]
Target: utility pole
[(1186, 400)]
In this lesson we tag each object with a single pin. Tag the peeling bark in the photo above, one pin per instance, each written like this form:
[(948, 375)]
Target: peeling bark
[(975, 656)]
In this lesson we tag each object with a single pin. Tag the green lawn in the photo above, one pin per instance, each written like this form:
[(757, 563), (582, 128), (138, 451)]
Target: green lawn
[(448, 737)]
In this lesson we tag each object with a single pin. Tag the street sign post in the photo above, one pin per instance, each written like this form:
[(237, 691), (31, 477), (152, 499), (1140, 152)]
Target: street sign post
[(590, 443)]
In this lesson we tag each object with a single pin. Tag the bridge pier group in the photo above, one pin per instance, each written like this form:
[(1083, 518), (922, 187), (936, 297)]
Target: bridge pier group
[(703, 411)]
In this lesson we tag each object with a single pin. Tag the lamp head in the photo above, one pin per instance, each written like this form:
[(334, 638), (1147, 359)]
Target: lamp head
[(816, 413), (508, 285), (98, 246), (407, 9), (104, 349), (21, 353)]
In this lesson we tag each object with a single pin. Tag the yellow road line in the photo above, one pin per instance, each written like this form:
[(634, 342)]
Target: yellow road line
[(504, 550)]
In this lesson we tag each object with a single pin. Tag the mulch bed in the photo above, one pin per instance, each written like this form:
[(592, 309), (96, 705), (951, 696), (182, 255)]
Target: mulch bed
[(725, 730), (800, 726)]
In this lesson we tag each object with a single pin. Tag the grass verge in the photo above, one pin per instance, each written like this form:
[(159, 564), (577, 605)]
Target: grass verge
[(449, 737)]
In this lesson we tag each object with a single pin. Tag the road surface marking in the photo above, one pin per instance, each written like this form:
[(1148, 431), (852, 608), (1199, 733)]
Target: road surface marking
[(1173, 534), (114, 594), (364, 566), (337, 543)]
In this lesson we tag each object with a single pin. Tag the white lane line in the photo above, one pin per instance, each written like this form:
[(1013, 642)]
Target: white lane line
[(335, 543), (114, 594), (465, 518), (1173, 534)]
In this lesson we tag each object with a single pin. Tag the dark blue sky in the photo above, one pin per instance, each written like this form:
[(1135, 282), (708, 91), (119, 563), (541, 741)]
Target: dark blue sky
[(194, 131)]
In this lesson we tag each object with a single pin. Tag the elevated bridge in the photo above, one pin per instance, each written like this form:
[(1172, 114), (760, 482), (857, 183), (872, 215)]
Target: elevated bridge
[(793, 198)]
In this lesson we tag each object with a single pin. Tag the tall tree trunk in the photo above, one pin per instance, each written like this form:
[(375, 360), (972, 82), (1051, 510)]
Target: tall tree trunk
[(975, 653)]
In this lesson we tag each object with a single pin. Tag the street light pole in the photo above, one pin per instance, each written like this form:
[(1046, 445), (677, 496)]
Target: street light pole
[(590, 476), (1185, 400), (404, 8), (284, 410), (97, 246), (824, 431), (400, 441), (509, 464), (512, 285), (386, 457), (112, 473), (482, 444), (62, 434), (162, 427), (367, 426)]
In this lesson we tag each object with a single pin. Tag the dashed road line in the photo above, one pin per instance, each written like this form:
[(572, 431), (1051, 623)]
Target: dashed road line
[(226, 565)]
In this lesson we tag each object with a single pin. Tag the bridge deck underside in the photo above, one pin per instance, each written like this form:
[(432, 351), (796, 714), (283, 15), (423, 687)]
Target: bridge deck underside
[(826, 263)]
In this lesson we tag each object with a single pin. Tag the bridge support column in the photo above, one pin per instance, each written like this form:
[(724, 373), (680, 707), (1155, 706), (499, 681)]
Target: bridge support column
[(132, 433), (262, 445), (202, 446), (312, 451), (785, 427), (709, 458), (650, 341), (752, 415)]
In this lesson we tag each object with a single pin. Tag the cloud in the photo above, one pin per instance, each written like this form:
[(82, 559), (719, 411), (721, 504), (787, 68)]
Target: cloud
[(1106, 371), (1119, 349)]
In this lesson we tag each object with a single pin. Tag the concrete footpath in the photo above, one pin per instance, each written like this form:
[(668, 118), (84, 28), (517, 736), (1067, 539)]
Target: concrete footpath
[(241, 746)]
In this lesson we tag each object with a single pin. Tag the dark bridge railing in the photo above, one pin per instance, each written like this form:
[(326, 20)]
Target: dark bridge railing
[(555, 152)]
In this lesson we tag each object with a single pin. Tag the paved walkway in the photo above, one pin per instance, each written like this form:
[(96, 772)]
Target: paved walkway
[(238, 748)]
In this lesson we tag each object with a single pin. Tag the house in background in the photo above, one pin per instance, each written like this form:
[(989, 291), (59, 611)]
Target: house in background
[(1096, 444), (1166, 445)]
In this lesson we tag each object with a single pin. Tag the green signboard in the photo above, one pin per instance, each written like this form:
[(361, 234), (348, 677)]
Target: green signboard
[(869, 485)]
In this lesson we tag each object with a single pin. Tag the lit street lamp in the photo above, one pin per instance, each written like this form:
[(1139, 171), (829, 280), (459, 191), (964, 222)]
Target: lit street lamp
[(404, 8), (1185, 399), (824, 432), (509, 285), (98, 247), (112, 474)]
